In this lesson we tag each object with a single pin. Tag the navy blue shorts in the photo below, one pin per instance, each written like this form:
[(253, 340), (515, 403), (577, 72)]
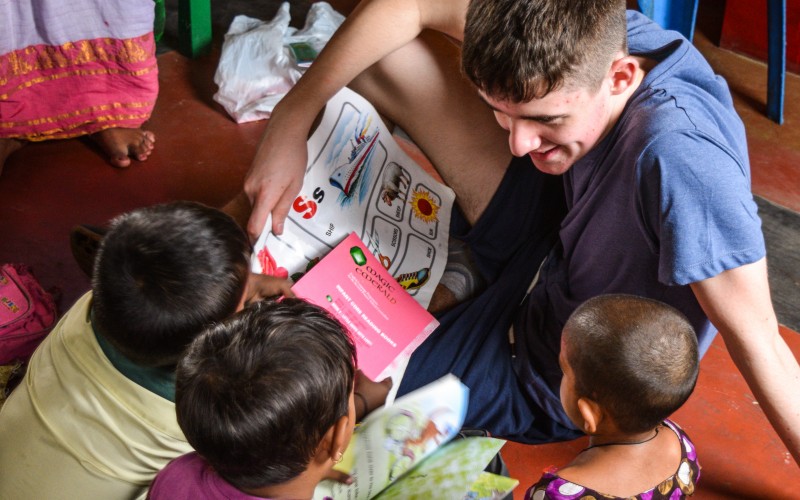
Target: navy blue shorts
[(509, 242)]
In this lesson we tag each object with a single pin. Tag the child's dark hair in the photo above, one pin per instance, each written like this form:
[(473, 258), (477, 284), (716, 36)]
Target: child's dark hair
[(256, 394), (162, 274), (634, 356)]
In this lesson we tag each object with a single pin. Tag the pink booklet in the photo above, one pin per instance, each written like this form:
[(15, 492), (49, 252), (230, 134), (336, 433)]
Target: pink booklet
[(386, 323)]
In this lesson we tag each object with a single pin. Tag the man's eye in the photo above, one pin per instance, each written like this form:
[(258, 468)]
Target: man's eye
[(548, 121)]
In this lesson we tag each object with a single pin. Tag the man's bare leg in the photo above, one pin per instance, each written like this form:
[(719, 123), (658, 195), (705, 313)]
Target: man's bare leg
[(8, 146), (122, 144), (420, 88)]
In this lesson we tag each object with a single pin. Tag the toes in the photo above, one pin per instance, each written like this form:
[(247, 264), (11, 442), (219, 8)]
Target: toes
[(122, 144), (145, 146), (120, 161), (118, 155)]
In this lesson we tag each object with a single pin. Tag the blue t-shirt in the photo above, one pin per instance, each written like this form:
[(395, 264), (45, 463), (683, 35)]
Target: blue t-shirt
[(662, 201)]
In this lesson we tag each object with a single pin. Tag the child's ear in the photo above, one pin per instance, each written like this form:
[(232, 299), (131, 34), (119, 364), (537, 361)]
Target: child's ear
[(335, 441), (592, 415), (342, 432)]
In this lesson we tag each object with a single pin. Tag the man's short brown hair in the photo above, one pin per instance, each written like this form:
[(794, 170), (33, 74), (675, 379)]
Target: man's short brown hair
[(520, 50)]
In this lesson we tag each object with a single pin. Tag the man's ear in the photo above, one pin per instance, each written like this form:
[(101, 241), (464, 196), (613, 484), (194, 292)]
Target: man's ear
[(623, 74), (592, 415)]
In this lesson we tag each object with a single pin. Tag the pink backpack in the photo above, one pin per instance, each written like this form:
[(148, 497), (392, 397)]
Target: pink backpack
[(27, 313)]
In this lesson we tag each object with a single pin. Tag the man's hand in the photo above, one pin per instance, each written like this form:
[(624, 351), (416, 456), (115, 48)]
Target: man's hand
[(275, 178)]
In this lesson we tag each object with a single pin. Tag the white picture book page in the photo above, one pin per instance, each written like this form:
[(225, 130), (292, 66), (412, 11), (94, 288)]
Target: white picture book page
[(360, 180)]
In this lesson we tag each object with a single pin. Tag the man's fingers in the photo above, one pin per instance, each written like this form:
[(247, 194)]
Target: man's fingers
[(258, 217), (281, 211)]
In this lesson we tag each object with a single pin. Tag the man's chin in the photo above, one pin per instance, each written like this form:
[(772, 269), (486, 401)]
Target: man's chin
[(551, 167)]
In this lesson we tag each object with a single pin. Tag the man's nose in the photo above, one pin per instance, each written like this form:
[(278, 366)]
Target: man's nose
[(523, 138)]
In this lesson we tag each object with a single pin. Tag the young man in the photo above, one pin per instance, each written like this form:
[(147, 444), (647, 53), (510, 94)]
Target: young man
[(624, 120)]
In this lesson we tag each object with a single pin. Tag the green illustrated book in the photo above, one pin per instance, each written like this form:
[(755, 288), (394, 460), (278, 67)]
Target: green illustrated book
[(408, 451)]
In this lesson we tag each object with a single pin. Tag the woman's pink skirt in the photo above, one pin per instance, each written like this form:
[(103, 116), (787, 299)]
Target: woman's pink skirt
[(75, 68)]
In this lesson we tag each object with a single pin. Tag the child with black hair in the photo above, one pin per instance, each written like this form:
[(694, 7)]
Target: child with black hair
[(94, 416), (267, 400), (629, 363)]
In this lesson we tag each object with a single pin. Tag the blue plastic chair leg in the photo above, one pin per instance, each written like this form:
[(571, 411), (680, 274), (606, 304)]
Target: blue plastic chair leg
[(776, 59), (678, 15)]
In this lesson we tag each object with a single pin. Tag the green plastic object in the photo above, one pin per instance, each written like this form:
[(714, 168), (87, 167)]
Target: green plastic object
[(304, 54), (160, 21), (194, 27)]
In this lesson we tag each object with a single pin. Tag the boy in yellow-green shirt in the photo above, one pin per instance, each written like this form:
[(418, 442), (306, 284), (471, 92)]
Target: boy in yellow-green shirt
[(94, 416)]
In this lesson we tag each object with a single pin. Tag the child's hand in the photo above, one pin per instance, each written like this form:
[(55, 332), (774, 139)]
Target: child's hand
[(370, 395), (261, 286), (338, 476)]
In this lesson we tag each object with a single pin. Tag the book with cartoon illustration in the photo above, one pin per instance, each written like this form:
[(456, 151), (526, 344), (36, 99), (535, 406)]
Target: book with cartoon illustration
[(406, 450), (359, 179), (386, 323)]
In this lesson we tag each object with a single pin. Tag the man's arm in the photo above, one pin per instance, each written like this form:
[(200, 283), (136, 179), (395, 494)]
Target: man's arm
[(374, 29), (738, 303)]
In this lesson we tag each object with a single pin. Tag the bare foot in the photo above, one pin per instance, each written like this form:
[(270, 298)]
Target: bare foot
[(122, 144), (8, 146)]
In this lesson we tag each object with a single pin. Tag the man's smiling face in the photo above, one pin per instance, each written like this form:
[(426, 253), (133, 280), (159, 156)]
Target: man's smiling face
[(557, 130)]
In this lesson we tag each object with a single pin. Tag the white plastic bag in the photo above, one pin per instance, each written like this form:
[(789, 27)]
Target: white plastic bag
[(256, 67)]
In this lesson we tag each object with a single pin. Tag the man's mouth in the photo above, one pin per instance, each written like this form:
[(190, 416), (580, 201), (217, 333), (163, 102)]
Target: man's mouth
[(543, 154)]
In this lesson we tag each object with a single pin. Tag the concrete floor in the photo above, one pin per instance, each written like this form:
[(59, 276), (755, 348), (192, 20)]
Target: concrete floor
[(203, 155)]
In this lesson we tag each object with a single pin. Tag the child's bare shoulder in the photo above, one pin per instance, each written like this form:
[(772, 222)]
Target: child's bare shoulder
[(626, 471)]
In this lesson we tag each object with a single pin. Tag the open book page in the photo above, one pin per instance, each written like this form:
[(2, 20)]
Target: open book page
[(385, 322), (393, 439), (449, 472), (360, 180), (490, 486)]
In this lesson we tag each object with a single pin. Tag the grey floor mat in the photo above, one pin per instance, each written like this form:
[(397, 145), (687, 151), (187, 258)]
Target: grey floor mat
[(782, 233)]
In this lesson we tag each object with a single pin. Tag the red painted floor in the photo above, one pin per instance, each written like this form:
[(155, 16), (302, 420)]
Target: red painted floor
[(202, 155)]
